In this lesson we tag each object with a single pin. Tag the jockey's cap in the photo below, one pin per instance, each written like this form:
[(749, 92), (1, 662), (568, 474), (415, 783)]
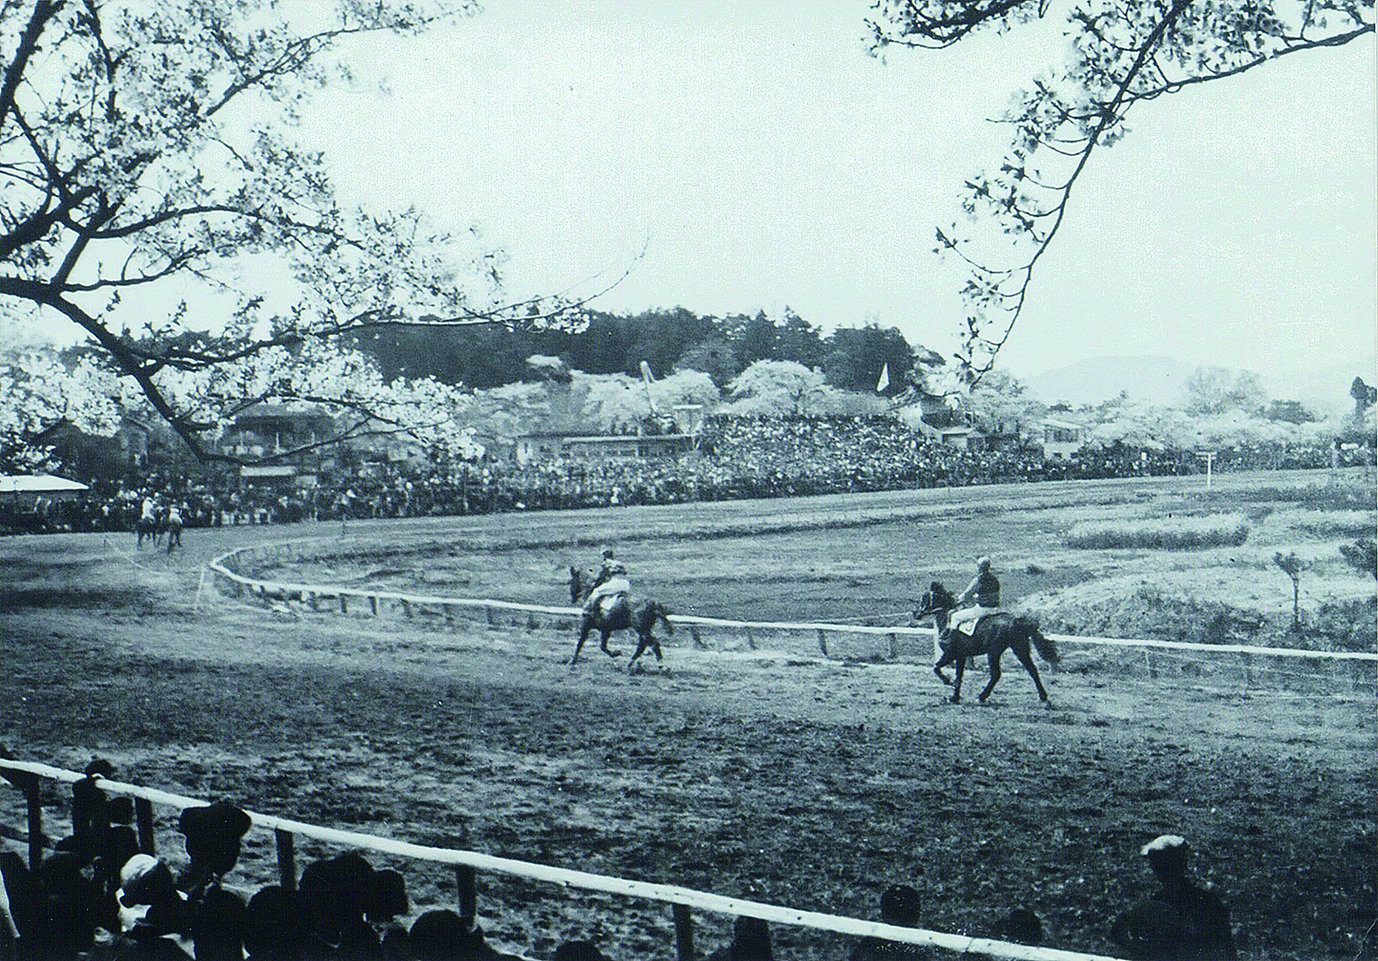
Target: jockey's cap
[(607, 553), (983, 563)]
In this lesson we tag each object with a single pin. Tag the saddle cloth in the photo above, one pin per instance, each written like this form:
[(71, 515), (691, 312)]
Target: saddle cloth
[(969, 627), (608, 602)]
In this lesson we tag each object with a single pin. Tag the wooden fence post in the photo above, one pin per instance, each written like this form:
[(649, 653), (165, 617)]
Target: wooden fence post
[(822, 642), (894, 646), (750, 639), (35, 812), (344, 604), (287, 858), (698, 641), (467, 881), (684, 933), (143, 817), (373, 604)]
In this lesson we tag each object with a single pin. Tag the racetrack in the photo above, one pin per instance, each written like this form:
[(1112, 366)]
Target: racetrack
[(765, 775)]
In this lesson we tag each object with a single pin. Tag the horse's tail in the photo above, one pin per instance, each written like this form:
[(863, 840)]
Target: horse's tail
[(663, 613), (1028, 626)]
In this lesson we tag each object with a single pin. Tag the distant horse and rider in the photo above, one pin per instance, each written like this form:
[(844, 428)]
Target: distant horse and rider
[(607, 607), (992, 632), (154, 522)]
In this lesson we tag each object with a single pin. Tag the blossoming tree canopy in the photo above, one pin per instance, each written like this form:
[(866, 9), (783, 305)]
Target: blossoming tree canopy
[(149, 145)]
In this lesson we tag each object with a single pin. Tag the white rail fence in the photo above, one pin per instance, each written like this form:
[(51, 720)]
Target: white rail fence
[(223, 570), (27, 776)]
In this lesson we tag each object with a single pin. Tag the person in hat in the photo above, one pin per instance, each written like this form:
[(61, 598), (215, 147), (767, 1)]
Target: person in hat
[(1182, 920), (985, 589), (213, 836), (611, 581)]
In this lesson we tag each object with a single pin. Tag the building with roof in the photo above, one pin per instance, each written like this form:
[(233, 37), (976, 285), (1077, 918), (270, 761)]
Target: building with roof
[(23, 491), (1062, 438)]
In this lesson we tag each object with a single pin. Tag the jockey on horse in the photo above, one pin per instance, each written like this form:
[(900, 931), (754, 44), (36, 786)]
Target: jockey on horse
[(611, 582), (985, 588)]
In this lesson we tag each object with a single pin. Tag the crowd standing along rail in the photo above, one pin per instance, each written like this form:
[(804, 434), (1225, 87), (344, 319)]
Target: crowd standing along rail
[(223, 567), (27, 776)]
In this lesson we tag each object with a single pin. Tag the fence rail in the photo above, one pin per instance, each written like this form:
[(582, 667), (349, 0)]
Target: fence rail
[(313, 593), (466, 863)]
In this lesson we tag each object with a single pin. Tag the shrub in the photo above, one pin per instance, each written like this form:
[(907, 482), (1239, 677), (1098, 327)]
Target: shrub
[(1362, 555), (1171, 533)]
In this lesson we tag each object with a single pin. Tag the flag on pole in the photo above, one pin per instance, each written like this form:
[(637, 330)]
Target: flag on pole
[(884, 381), (647, 379)]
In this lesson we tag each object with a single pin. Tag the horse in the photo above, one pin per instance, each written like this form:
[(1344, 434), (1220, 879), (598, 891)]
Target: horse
[(147, 528), (622, 615), (992, 635), (174, 534)]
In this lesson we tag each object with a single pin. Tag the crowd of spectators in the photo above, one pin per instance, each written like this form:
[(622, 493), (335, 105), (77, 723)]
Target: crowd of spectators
[(736, 457), (99, 896)]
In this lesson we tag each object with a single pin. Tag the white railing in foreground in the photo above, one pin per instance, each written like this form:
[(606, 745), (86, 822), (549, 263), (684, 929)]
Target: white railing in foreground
[(682, 898), (312, 592)]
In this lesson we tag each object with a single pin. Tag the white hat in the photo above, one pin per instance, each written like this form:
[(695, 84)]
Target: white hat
[(1163, 843), (135, 868)]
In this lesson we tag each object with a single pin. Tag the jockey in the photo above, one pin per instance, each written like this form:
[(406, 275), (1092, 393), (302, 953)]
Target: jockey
[(174, 516), (148, 509), (611, 581), (985, 588)]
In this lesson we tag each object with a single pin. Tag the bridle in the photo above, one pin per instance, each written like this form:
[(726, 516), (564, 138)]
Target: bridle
[(931, 607)]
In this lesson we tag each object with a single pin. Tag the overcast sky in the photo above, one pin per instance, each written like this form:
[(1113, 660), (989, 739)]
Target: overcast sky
[(766, 160), (762, 158)]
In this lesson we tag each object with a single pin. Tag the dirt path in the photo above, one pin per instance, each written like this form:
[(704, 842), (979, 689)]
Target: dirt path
[(771, 776)]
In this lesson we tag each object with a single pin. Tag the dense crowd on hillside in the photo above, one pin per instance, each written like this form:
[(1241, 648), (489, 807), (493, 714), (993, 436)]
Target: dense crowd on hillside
[(101, 894), (736, 458)]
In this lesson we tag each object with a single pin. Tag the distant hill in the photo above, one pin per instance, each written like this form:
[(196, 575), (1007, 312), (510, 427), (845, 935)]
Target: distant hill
[(1159, 380), (1162, 380)]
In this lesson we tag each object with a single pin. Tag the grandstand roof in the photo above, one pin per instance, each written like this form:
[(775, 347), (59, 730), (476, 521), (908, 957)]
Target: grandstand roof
[(37, 484)]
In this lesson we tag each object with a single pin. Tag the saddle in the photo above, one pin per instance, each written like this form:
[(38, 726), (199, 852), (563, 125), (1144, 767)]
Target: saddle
[(968, 629), (607, 605)]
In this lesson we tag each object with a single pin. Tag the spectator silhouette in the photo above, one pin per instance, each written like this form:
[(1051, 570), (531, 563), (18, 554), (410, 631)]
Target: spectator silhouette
[(1021, 926), (900, 906), (750, 942), (217, 928), (150, 905), (1182, 920), (213, 836), (442, 935), (275, 925)]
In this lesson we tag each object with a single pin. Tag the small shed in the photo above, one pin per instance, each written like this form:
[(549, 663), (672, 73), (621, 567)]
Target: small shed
[(24, 490)]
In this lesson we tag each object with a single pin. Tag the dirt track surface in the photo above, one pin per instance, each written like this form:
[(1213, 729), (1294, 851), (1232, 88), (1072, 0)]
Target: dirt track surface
[(770, 776)]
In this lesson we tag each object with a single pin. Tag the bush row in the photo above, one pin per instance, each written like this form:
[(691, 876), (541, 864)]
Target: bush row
[(1170, 533)]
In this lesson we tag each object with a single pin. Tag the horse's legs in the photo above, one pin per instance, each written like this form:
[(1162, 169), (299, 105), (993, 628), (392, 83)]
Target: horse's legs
[(606, 633), (994, 660), (583, 636), (945, 660), (1021, 651), (956, 697), (642, 642)]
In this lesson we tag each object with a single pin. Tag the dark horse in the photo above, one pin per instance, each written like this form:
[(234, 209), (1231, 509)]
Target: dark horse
[(147, 528), (992, 635), (621, 616)]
